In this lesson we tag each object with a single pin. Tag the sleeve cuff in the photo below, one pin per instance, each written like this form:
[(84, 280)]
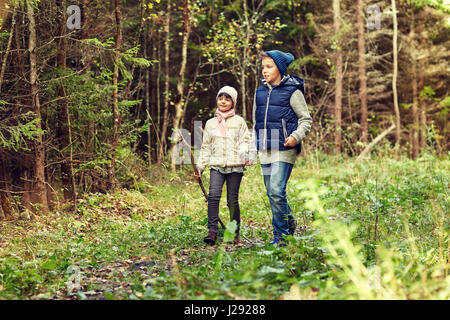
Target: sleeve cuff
[(200, 169), (296, 137)]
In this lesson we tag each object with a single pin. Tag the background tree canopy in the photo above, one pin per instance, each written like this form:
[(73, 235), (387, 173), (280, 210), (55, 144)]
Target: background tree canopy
[(77, 103)]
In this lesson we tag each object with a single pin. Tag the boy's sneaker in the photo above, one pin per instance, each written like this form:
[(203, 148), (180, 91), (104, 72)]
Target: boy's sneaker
[(211, 238), (292, 225), (275, 241), (278, 242)]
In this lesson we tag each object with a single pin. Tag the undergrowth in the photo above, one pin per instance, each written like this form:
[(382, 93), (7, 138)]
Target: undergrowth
[(372, 229)]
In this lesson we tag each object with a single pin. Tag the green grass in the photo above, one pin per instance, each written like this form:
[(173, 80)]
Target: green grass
[(375, 229)]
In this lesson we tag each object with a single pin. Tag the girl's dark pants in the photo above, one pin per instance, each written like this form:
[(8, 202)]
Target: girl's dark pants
[(216, 182)]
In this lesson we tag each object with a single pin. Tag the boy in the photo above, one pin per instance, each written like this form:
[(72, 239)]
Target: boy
[(281, 121)]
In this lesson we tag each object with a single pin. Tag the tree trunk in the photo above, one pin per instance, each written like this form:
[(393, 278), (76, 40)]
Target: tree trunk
[(20, 60), (180, 84), (4, 12), (5, 203), (245, 62), (144, 32), (338, 73), (116, 111), (380, 137), (8, 48), (362, 72), (189, 93), (415, 102), (148, 108), (40, 190), (62, 126), (395, 74), (165, 120), (423, 112), (158, 128)]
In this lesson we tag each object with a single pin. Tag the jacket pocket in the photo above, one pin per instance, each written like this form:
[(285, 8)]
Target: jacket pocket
[(283, 122)]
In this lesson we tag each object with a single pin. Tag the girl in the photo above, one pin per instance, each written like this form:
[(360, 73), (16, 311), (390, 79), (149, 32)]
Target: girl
[(224, 147)]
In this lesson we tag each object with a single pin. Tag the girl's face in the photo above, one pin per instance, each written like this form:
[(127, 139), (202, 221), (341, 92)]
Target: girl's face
[(270, 71), (224, 103)]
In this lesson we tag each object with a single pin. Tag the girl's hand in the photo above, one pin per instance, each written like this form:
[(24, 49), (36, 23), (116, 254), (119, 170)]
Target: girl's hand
[(197, 175), (290, 142), (246, 162)]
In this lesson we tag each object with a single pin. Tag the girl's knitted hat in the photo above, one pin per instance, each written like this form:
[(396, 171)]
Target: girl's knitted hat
[(231, 92), (281, 59)]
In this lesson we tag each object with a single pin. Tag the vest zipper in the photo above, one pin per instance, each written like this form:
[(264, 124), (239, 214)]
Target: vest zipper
[(265, 117), (283, 122)]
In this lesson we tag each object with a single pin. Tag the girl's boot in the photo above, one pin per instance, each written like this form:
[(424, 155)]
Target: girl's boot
[(211, 238), (236, 240)]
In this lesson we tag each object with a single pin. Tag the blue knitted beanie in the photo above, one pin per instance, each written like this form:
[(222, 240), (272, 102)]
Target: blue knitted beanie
[(281, 59)]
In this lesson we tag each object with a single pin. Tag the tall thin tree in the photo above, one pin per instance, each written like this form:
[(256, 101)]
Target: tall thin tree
[(116, 111), (8, 47), (181, 75), (245, 62), (395, 73), (415, 94), (338, 74), (165, 120), (62, 129), (362, 72), (423, 110), (40, 188)]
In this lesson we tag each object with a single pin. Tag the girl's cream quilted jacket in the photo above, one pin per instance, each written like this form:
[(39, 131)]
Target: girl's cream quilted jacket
[(229, 151)]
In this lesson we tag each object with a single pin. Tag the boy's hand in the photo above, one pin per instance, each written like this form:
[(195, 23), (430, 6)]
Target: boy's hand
[(248, 163), (290, 142)]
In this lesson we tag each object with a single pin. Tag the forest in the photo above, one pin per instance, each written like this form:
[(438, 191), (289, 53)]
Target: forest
[(95, 94)]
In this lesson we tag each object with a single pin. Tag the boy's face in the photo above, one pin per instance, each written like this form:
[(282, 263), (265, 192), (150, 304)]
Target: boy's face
[(270, 71), (224, 103)]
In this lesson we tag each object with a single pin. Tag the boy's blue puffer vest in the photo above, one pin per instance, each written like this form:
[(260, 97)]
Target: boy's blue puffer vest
[(279, 112)]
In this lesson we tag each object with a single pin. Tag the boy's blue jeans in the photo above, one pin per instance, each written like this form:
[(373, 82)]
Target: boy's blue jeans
[(276, 176)]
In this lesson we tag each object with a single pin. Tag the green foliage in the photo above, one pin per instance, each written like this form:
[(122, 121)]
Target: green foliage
[(427, 91), (130, 57), (89, 97), (440, 5), (95, 42), (14, 137), (297, 64), (445, 103), (227, 40), (3, 34), (377, 281)]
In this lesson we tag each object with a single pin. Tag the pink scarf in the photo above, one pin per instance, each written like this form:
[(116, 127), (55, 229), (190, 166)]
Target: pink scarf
[(222, 116)]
